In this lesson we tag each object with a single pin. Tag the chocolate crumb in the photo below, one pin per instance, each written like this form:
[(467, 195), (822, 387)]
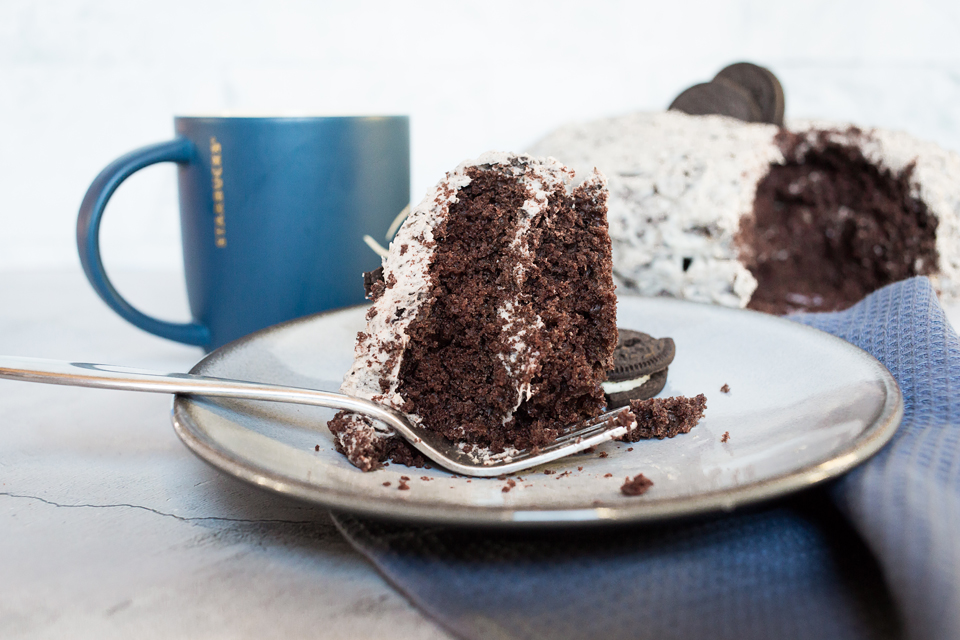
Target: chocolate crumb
[(603, 454), (608, 475), (579, 468), (404, 479), (621, 419), (547, 472), (387, 483), (403, 486), (725, 437), (426, 478), (629, 448), (316, 448), (511, 483), (505, 490), (636, 487), (725, 388)]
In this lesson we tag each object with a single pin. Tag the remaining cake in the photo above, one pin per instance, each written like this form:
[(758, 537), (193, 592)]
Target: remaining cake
[(811, 217), (494, 322)]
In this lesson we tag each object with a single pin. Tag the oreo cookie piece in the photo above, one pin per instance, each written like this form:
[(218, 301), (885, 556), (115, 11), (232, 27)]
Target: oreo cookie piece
[(640, 364), (762, 86), (721, 97), (370, 278)]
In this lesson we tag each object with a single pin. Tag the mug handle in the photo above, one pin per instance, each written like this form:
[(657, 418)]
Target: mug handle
[(94, 202)]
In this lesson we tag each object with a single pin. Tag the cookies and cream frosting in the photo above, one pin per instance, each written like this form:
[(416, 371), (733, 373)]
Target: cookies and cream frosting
[(680, 185)]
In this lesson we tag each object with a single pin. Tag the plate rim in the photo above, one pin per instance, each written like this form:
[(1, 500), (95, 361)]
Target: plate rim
[(840, 461)]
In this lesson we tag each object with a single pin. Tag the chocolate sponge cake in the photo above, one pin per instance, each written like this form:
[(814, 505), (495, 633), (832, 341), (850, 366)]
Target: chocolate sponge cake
[(810, 217), (495, 319)]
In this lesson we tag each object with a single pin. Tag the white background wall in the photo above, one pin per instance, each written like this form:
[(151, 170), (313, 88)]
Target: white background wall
[(83, 81)]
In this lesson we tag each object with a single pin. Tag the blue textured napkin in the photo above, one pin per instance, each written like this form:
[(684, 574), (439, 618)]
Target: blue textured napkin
[(875, 554)]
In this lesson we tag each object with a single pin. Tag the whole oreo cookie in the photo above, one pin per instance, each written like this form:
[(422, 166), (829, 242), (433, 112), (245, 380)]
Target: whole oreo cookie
[(720, 97), (762, 86), (640, 364)]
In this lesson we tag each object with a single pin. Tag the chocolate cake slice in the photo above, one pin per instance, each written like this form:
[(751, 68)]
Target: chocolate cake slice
[(811, 217), (495, 319)]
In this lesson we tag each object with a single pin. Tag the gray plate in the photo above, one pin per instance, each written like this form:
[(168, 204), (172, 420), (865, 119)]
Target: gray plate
[(803, 407)]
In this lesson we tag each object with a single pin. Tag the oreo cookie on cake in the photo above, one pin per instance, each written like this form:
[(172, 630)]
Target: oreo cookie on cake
[(639, 371)]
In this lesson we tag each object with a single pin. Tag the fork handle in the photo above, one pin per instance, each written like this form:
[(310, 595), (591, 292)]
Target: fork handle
[(104, 376)]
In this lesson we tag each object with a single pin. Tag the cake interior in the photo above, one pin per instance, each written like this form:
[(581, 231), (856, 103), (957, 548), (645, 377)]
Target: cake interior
[(829, 227), (453, 373)]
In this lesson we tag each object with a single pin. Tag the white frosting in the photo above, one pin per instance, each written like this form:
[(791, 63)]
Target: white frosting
[(406, 266), (623, 385), (679, 185)]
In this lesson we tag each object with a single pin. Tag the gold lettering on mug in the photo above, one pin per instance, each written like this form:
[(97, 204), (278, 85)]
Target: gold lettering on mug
[(216, 177)]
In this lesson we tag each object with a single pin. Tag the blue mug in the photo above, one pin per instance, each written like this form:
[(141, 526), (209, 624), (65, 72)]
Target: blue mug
[(273, 212)]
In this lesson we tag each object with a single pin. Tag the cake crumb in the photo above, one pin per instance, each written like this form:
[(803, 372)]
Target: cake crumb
[(629, 448), (636, 487), (316, 448), (505, 490), (426, 478), (603, 454), (665, 417), (725, 388), (404, 479), (725, 437), (608, 475), (579, 468), (403, 485), (387, 483), (547, 472)]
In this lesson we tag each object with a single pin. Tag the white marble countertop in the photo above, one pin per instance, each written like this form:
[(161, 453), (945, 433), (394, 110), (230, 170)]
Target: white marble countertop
[(111, 528)]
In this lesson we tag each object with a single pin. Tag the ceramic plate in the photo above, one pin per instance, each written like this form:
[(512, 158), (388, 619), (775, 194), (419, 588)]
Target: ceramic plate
[(803, 406)]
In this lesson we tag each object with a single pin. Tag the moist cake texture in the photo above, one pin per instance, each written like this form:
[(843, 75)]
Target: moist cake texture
[(810, 217), (665, 417), (495, 319)]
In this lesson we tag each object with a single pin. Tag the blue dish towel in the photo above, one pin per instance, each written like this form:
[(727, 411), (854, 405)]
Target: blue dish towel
[(875, 554)]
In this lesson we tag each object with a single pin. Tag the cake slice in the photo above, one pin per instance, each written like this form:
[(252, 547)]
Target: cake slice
[(495, 319)]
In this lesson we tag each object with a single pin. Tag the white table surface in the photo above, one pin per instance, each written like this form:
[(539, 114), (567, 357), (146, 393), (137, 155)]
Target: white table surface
[(111, 528)]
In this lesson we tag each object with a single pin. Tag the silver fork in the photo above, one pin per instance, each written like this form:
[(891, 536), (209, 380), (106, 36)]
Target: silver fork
[(447, 454)]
